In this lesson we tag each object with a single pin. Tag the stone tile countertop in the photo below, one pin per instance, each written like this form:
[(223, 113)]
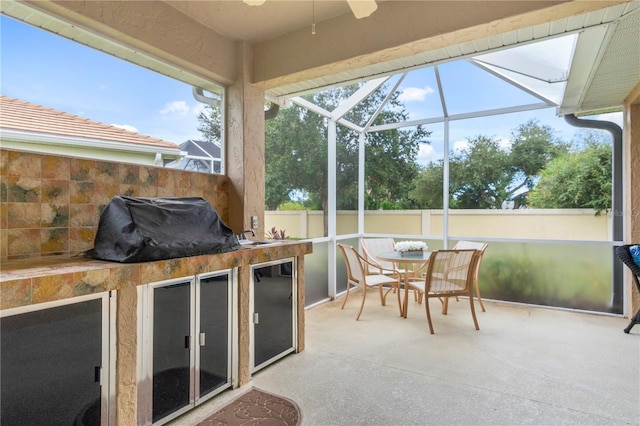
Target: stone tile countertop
[(36, 280)]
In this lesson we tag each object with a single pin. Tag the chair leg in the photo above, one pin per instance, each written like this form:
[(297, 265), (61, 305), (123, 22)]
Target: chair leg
[(473, 310), (344, 302), (399, 300), (426, 307), (635, 320), (383, 296), (364, 296), (479, 298), (445, 305), (386, 293)]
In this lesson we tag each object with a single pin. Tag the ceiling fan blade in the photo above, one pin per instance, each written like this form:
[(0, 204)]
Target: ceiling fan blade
[(362, 8), (254, 2)]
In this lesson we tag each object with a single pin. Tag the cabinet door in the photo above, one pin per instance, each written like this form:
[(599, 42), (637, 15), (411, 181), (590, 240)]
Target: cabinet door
[(273, 312), (51, 362), (213, 358), (171, 348)]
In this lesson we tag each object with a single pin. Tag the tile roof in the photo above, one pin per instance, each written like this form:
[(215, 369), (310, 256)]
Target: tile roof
[(16, 114)]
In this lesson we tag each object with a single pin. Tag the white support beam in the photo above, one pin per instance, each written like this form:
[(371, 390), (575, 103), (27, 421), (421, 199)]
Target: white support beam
[(311, 106), (384, 102), (361, 181), (478, 114), (331, 206), (360, 94)]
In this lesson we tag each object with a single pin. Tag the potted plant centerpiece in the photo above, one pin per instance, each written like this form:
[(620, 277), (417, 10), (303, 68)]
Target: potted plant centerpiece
[(411, 248)]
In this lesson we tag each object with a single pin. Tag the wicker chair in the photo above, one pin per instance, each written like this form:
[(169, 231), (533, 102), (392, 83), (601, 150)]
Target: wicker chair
[(358, 277), (370, 248), (625, 256), (450, 273), (481, 247)]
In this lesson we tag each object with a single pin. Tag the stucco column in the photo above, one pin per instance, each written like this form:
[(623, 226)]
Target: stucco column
[(126, 362), (632, 138), (244, 325), (245, 147), (244, 120)]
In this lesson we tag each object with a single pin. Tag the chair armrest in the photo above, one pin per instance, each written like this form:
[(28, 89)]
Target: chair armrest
[(378, 266)]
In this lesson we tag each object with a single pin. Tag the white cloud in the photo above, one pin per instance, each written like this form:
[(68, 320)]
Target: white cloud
[(126, 127), (426, 154), (181, 109), (411, 94), (505, 144), (460, 145), (196, 110), (175, 108)]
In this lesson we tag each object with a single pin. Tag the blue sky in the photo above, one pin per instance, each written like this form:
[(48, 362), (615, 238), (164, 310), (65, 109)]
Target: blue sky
[(49, 70)]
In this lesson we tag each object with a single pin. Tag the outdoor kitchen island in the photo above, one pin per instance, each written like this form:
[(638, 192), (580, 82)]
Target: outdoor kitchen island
[(33, 285)]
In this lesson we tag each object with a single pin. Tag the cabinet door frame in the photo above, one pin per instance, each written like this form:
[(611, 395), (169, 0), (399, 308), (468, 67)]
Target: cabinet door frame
[(232, 352), (108, 338), (145, 343), (294, 313), (145, 349)]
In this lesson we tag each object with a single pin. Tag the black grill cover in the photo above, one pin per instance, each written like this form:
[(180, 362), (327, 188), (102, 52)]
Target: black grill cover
[(135, 229)]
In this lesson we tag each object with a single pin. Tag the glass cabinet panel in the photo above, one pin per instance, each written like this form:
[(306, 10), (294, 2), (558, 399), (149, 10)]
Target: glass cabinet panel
[(214, 342), (171, 348), (51, 363), (273, 312)]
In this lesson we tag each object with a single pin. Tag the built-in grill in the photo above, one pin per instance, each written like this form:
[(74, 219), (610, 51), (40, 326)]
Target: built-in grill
[(139, 229)]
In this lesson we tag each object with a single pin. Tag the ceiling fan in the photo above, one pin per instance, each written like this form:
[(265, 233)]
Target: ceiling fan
[(360, 8)]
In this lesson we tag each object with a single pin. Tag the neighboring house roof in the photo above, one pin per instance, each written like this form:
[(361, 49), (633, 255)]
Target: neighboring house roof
[(201, 156), (25, 119), (201, 148)]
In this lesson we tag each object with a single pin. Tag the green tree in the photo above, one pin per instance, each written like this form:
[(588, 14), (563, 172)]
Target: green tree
[(480, 176), (210, 124), (389, 155), (427, 188), (296, 154), (391, 167), (485, 174), (578, 179), (532, 146)]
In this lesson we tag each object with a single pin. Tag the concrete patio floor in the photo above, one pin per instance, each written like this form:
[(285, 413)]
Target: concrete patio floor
[(525, 366)]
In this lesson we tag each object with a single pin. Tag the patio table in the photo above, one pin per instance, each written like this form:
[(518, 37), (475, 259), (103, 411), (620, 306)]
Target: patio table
[(403, 260)]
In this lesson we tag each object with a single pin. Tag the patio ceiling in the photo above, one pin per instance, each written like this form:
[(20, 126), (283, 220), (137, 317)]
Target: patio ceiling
[(605, 66), (600, 71)]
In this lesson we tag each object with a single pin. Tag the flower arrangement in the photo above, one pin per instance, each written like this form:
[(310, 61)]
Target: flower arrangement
[(405, 246)]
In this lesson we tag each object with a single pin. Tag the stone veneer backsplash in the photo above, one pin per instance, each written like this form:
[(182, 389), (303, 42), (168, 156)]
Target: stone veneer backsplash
[(50, 205)]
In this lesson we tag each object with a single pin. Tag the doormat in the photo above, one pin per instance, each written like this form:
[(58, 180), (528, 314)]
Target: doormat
[(256, 407)]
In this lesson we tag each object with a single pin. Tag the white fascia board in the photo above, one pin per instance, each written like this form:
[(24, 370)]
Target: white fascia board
[(49, 139), (589, 50), (199, 157)]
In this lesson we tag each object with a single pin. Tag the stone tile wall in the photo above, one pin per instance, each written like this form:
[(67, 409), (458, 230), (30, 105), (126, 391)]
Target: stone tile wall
[(51, 205)]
